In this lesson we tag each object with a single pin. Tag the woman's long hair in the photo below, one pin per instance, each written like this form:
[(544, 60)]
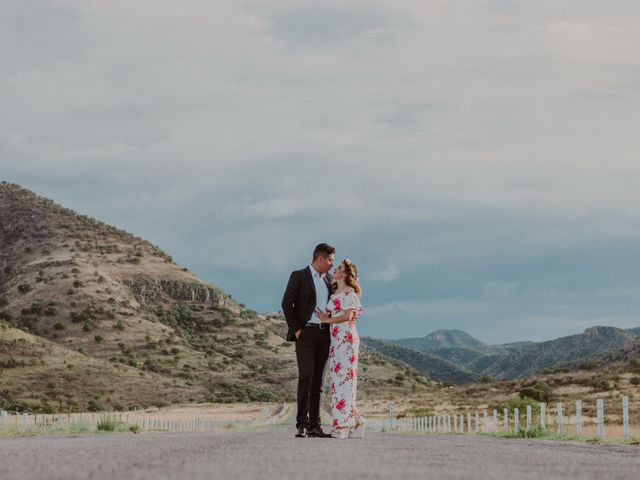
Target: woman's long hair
[(351, 277)]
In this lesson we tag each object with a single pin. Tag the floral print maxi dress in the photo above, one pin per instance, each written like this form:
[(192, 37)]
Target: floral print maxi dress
[(343, 360)]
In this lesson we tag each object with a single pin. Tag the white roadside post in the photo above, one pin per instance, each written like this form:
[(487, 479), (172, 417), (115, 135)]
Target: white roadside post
[(468, 422), (528, 417), (625, 417), (543, 420), (461, 423), (485, 422), (600, 413), (578, 417), (560, 417), (505, 419), (495, 420), (477, 422), (455, 423), (516, 419)]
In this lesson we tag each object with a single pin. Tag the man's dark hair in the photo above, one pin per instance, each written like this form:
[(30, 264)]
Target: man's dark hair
[(323, 249)]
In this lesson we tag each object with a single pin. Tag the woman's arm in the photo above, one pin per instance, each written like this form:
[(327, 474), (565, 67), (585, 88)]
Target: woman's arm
[(345, 317)]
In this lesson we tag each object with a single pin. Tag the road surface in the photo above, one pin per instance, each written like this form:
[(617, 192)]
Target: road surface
[(274, 453)]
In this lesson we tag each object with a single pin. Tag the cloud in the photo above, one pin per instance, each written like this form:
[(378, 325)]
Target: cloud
[(487, 147), (389, 274)]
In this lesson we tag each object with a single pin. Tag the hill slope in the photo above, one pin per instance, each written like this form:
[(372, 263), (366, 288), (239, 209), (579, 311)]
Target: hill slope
[(425, 363), (110, 320)]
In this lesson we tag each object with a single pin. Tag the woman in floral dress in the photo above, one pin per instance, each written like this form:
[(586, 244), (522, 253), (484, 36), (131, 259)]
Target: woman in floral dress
[(342, 312)]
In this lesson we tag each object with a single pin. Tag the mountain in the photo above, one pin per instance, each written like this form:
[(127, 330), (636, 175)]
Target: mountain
[(457, 346), (635, 331), (518, 359), (443, 339), (92, 316), (430, 365), (533, 358)]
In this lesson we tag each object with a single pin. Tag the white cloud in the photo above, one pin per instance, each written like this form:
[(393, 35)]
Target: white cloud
[(437, 134), (388, 274)]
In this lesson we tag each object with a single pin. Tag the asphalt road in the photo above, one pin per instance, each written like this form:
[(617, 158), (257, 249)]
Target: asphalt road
[(276, 454)]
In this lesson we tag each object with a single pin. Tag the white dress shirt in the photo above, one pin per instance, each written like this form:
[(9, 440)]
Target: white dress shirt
[(322, 293)]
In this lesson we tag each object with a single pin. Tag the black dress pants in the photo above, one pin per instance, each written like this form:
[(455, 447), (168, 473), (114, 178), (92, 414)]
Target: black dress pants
[(312, 351)]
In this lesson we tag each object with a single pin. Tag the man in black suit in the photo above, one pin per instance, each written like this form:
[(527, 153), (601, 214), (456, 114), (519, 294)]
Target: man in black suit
[(307, 290)]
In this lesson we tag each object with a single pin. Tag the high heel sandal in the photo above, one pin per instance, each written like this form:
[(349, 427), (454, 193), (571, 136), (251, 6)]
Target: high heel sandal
[(358, 431), (340, 434)]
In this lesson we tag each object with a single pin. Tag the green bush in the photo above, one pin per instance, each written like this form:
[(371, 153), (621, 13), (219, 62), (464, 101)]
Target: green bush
[(540, 391), (520, 403), (635, 381), (587, 365), (119, 325), (600, 384), (98, 338), (524, 433), (94, 406), (107, 423), (24, 288), (228, 392), (11, 363), (420, 412), (487, 379)]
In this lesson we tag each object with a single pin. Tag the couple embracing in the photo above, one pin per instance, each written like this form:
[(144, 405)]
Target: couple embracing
[(321, 311)]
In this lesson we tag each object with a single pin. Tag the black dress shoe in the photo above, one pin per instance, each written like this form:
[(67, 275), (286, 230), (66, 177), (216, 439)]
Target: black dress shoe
[(317, 432), (302, 432)]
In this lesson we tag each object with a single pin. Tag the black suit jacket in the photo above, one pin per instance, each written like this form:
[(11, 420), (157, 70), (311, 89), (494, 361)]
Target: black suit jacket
[(299, 300)]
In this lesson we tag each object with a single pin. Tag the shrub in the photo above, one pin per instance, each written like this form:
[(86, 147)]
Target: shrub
[(520, 403), (98, 338), (3, 302), (420, 412), (134, 428), (635, 365), (24, 288), (107, 424), (50, 311), (11, 363), (77, 283), (119, 325), (635, 381), (540, 391), (487, 379), (94, 406), (600, 384), (587, 365), (58, 326)]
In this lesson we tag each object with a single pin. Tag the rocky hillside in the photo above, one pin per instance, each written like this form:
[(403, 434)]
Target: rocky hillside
[(92, 316)]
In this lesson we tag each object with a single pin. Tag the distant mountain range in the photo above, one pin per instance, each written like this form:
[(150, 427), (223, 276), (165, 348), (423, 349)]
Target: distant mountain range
[(430, 365), (457, 357)]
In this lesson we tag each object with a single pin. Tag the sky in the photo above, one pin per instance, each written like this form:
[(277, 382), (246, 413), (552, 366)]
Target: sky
[(477, 159)]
